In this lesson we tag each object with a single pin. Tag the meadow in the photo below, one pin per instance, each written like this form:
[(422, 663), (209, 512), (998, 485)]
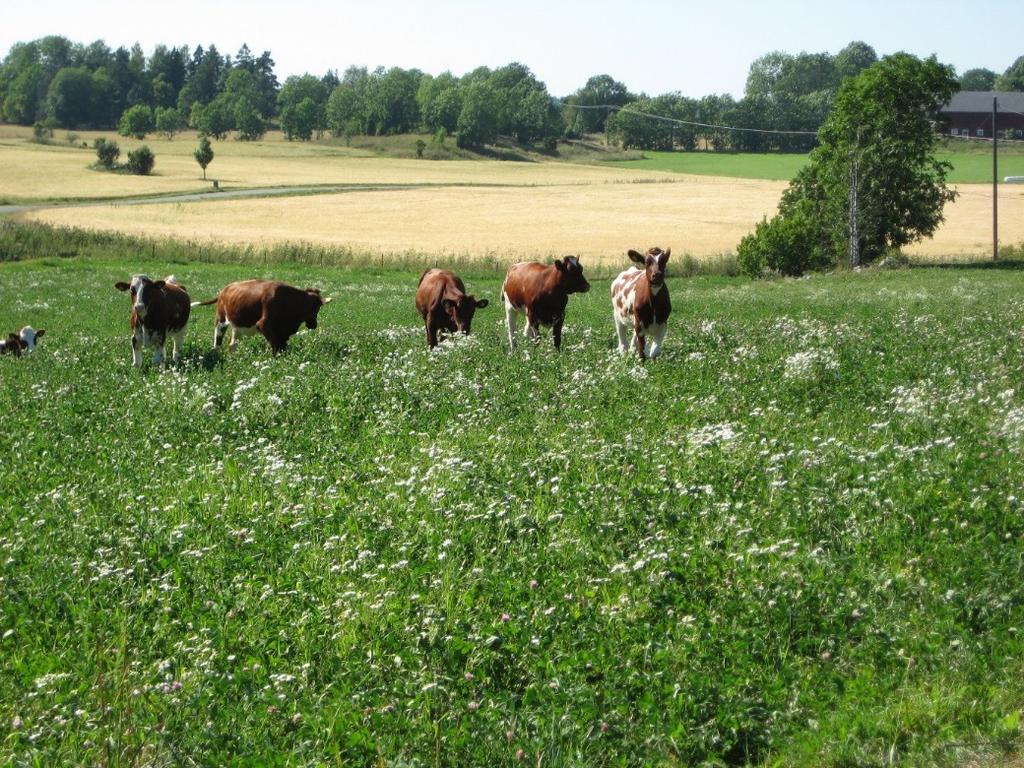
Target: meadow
[(795, 539)]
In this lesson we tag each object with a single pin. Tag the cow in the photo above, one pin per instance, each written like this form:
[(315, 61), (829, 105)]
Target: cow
[(541, 293), (22, 342), (269, 307), (160, 308), (640, 303), (442, 301)]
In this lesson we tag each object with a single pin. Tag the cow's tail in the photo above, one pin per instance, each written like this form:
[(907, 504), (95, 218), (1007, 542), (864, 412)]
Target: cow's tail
[(204, 303)]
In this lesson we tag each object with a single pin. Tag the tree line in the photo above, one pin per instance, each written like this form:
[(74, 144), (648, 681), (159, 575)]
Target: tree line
[(55, 82)]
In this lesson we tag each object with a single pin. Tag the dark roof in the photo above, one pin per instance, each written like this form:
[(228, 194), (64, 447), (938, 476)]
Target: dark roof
[(981, 101)]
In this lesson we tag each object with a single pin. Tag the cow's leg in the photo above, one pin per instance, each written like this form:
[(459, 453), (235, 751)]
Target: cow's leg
[(136, 349), (556, 332), (623, 333), (158, 343), (178, 340), (278, 341), (510, 321), (657, 337), (431, 336), (531, 331), (220, 326)]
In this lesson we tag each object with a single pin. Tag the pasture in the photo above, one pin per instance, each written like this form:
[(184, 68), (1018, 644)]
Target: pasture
[(797, 538)]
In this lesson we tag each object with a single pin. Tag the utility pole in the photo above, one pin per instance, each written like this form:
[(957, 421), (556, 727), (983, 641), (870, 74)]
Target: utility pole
[(995, 182)]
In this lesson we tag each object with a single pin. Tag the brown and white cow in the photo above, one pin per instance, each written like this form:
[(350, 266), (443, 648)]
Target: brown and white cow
[(541, 292), (22, 342), (640, 303), (269, 307), (442, 301), (160, 308)]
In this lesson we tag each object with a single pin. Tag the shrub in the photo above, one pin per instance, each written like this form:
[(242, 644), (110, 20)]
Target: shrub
[(141, 161), (41, 133), (550, 143), (786, 244), (71, 138), (420, 146), (107, 152)]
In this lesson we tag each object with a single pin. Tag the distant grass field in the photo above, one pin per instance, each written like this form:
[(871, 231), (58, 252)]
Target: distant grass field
[(773, 166), (795, 539), (970, 165)]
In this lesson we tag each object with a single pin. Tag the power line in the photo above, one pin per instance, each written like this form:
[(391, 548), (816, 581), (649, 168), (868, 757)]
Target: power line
[(687, 122)]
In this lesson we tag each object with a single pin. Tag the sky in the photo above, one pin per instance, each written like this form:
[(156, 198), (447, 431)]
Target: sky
[(653, 46)]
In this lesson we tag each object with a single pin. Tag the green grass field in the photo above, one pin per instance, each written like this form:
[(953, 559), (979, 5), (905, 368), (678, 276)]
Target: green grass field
[(795, 539), (970, 165)]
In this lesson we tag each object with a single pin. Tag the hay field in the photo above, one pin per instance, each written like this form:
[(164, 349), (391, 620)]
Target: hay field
[(59, 171), (598, 220), (700, 216), (472, 207)]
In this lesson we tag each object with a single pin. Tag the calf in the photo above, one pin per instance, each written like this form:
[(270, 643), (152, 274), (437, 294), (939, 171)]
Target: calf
[(263, 306), (443, 303), (640, 302), (160, 308), (22, 342), (541, 293)]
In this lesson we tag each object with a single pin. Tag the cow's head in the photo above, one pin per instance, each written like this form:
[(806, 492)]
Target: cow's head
[(142, 290), (653, 263), (29, 336), (570, 275), (461, 310), (315, 302)]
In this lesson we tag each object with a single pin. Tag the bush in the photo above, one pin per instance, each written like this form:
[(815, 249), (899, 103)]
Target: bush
[(787, 244), (141, 161), (71, 138), (41, 133), (107, 152)]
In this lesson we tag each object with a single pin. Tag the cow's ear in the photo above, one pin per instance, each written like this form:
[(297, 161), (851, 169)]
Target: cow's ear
[(122, 286), (481, 303), (636, 256), (159, 284), (40, 332), (559, 265), (448, 304), (664, 256)]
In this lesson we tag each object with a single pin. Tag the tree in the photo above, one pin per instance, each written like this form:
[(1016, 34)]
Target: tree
[(298, 121), (599, 91), (345, 110), (203, 154), (214, 119), (168, 121), (248, 121), (478, 120), (136, 121), (854, 59), (302, 105), (69, 97), (978, 80), (873, 183), (1013, 78)]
